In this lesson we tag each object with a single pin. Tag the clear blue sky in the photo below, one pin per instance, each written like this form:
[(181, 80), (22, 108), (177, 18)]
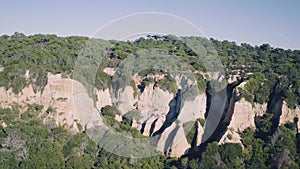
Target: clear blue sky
[(254, 21)]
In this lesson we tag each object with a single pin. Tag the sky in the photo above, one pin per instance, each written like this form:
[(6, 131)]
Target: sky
[(254, 22)]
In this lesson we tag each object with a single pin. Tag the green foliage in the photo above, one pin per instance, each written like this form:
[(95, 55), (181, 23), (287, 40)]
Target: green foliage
[(74, 142), (79, 127), (135, 89), (189, 130), (270, 153), (132, 115), (50, 110), (13, 76), (247, 95), (102, 80), (8, 115), (144, 83), (229, 136), (231, 155), (27, 142), (127, 129), (32, 111), (39, 146), (201, 82), (168, 83), (39, 54), (146, 72), (110, 111), (264, 124), (38, 156), (211, 157), (259, 87), (201, 121), (279, 151), (267, 65), (7, 160)]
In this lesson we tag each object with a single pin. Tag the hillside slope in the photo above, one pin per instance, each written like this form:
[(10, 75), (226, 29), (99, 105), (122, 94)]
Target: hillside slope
[(177, 112)]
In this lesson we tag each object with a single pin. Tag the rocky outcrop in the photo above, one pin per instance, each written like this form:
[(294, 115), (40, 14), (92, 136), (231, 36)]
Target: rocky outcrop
[(230, 136), (193, 109), (242, 118), (244, 114), (103, 98), (125, 100), (172, 141), (199, 133), (154, 102), (289, 115), (162, 113), (110, 71), (68, 98)]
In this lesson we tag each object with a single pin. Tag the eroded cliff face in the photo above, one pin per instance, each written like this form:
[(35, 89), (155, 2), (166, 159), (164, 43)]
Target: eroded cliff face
[(154, 106), (288, 115), (163, 113), (244, 114), (242, 118), (126, 100), (68, 98), (101, 102)]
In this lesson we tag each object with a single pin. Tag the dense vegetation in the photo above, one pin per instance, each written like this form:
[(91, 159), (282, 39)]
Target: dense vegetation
[(27, 142), (265, 66), (278, 151), (40, 54)]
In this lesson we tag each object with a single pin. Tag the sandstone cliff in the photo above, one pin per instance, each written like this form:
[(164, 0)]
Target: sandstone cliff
[(163, 113)]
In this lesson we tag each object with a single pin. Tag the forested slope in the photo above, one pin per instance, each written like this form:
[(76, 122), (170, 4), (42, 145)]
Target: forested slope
[(271, 77)]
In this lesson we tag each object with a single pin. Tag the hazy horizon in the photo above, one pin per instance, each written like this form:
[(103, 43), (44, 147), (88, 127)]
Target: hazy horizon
[(255, 22)]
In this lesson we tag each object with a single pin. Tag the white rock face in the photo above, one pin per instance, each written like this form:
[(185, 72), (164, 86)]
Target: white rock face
[(148, 124), (182, 81), (173, 141), (4, 125), (85, 110), (154, 102), (118, 118), (27, 95), (244, 113), (230, 136), (216, 76), (154, 105), (72, 105), (159, 123), (162, 142), (126, 100), (179, 144), (68, 97), (110, 71), (103, 98), (243, 117), (200, 133), (288, 115), (193, 109)]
